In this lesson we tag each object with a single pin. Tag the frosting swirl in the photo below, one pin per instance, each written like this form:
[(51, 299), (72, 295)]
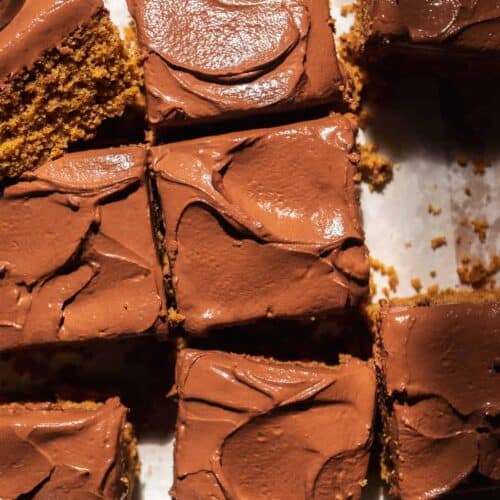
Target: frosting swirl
[(243, 420), (209, 57)]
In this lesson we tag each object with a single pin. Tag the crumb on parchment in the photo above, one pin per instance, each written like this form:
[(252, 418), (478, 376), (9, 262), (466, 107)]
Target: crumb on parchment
[(373, 168), (431, 209), (438, 242), (433, 274), (416, 283), (389, 272), (478, 274), (347, 9), (480, 227)]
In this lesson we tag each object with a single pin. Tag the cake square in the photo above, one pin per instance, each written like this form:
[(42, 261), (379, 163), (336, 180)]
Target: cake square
[(67, 450), (252, 427), (207, 60), (263, 224), (448, 28), (78, 259), (63, 70), (439, 361)]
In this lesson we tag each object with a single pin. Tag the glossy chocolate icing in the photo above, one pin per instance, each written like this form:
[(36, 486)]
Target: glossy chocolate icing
[(466, 24), (77, 256), (441, 364), (207, 59), (254, 428), (32, 27), (263, 223), (53, 451)]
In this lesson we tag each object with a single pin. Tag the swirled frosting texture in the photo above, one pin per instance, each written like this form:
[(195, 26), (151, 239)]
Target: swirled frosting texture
[(468, 24), (77, 257), (212, 59), (62, 451), (263, 223), (31, 27), (252, 428), (442, 363)]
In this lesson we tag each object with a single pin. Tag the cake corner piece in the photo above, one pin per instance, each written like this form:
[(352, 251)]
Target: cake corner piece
[(438, 361), (73, 449), (63, 70)]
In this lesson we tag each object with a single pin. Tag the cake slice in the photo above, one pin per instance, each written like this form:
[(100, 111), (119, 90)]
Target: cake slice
[(208, 61), (252, 427), (63, 70), (78, 259), (439, 363), (67, 450), (421, 30), (263, 224)]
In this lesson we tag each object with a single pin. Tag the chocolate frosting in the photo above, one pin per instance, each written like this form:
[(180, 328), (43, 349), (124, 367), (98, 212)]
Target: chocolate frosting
[(263, 223), (68, 451), (32, 27), (77, 256), (8, 9), (254, 428), (473, 24), (206, 58), (441, 364)]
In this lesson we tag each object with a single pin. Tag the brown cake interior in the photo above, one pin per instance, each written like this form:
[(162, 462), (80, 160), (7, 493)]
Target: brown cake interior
[(65, 96)]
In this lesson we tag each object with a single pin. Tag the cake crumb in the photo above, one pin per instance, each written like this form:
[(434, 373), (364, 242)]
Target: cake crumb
[(480, 165), (363, 482), (480, 227), (434, 210), (408, 244), (347, 9), (175, 317), (373, 168), (462, 159), (438, 242), (432, 290), (458, 240), (433, 274), (386, 292), (365, 116), (477, 274), (388, 271), (416, 283), (467, 191)]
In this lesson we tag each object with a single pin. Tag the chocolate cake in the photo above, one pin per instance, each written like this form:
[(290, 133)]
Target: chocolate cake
[(63, 70), (207, 60), (263, 224), (77, 255), (449, 30), (252, 427), (66, 450), (439, 362)]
